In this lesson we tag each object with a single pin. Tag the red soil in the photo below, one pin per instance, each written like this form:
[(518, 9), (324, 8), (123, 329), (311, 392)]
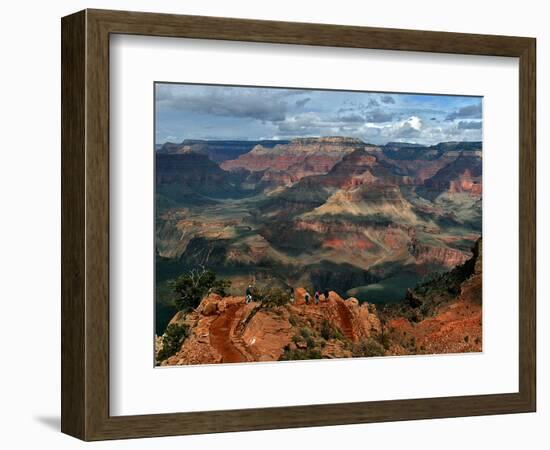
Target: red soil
[(220, 336), (345, 320)]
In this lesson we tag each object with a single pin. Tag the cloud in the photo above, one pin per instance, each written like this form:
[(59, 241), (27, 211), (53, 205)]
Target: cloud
[(351, 118), (225, 112), (414, 122), (344, 110), (306, 124), (409, 128), (372, 103), (466, 112), (228, 102), (469, 125), (379, 116), (370, 132), (301, 103)]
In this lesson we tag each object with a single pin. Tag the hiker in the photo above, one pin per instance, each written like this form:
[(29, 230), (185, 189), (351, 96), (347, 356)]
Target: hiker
[(306, 298), (326, 295), (249, 293), (291, 294), (316, 297)]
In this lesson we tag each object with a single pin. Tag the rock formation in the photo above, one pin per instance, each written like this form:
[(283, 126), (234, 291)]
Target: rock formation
[(297, 159), (334, 213), (226, 330), (441, 315), (219, 150)]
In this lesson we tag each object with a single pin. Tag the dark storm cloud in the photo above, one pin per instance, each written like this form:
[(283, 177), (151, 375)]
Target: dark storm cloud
[(379, 116), (351, 118), (228, 102), (466, 112), (469, 125), (345, 110), (301, 103), (372, 103), (185, 111)]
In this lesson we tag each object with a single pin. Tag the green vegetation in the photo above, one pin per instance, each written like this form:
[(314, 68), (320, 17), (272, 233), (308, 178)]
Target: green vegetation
[(300, 354), (271, 297), (328, 331), (192, 286), (367, 347), (436, 289), (306, 346), (389, 290), (172, 339), (308, 343), (163, 315), (384, 339), (305, 332)]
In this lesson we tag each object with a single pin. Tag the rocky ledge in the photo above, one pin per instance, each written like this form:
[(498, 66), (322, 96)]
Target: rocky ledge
[(441, 315), (225, 330)]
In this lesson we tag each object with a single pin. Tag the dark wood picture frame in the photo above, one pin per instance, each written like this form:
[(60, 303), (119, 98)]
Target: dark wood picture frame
[(85, 224)]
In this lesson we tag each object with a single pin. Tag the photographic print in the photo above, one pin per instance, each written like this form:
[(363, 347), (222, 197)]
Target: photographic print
[(303, 224)]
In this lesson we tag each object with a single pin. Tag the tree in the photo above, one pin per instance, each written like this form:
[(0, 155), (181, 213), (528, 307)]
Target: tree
[(192, 286), (271, 297), (172, 339)]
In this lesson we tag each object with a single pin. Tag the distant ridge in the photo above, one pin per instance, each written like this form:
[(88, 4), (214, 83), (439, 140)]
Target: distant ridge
[(217, 150)]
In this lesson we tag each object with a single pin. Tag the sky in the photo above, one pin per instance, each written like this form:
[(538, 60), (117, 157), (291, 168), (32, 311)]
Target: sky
[(186, 111)]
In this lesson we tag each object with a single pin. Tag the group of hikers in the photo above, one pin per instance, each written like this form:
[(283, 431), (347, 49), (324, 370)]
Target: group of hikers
[(307, 296), (316, 296)]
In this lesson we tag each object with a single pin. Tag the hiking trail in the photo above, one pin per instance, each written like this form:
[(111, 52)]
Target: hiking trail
[(345, 320), (220, 335)]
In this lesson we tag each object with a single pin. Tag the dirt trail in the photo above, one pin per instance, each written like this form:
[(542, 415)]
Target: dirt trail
[(345, 320), (220, 336)]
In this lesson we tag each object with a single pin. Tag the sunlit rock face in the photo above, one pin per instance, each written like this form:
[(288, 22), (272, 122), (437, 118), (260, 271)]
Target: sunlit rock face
[(334, 213)]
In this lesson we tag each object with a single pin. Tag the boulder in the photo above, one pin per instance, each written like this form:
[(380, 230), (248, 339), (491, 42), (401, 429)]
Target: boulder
[(267, 334), (209, 309)]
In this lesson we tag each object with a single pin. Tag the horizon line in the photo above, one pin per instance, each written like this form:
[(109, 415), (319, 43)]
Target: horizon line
[(314, 137)]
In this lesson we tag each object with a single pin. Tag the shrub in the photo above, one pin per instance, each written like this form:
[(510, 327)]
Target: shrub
[(305, 332), (292, 320), (172, 339), (271, 297), (367, 347), (314, 354), (297, 354), (221, 287), (384, 339), (192, 286), (328, 331), (310, 342)]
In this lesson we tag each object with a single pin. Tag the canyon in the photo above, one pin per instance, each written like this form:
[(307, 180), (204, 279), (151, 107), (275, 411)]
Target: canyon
[(365, 222), (442, 315)]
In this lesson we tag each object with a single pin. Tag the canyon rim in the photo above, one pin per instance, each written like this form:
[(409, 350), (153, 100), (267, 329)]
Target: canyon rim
[(297, 224)]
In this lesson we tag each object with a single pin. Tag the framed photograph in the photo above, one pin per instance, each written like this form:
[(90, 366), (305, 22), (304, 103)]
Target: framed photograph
[(273, 225)]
